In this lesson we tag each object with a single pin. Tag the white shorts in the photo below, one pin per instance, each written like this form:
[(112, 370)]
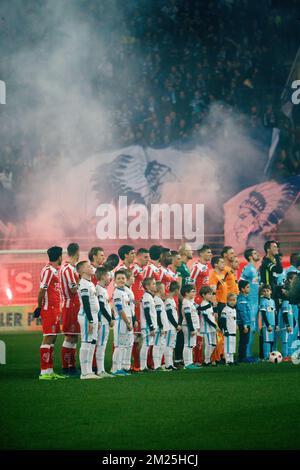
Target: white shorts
[(87, 337), (229, 344), (171, 338), (103, 334), (211, 338), (149, 340), (159, 340), (189, 340), (130, 339), (120, 333)]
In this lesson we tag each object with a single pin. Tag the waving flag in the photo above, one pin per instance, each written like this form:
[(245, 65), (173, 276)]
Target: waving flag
[(258, 210)]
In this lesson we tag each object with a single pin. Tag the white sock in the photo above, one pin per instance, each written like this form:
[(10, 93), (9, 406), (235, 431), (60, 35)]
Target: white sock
[(143, 355), (84, 358), (169, 356), (127, 358), (156, 356), (208, 350), (115, 359), (186, 356), (100, 355)]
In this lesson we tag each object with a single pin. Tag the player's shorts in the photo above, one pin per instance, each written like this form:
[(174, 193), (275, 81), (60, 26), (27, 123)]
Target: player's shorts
[(70, 325), (230, 344), (103, 332), (268, 336), (286, 336), (159, 339), (130, 339), (210, 338), (137, 311), (87, 337), (149, 340), (171, 338), (189, 340), (120, 333), (51, 321)]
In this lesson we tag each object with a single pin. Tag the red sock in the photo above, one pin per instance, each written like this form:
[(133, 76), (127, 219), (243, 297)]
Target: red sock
[(136, 356), (94, 360), (150, 363), (66, 355), (45, 354), (73, 356), (51, 356), (198, 350)]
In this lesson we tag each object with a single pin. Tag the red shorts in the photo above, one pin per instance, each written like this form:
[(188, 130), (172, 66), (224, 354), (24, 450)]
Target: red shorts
[(51, 321), (70, 325)]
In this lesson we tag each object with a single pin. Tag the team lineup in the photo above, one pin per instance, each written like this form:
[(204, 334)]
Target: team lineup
[(164, 316)]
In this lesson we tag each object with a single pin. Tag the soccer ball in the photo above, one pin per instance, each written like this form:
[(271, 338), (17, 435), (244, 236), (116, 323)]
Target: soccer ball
[(296, 358), (275, 356)]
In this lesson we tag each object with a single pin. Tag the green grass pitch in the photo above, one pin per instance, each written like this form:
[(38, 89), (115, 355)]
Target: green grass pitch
[(245, 407)]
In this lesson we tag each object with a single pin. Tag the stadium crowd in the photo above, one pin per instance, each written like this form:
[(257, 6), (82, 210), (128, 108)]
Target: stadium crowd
[(163, 63), (164, 315)]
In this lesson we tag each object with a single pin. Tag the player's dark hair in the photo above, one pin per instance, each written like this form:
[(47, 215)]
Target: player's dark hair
[(141, 251), (291, 275), (111, 262), (294, 258), (248, 253), (174, 286), (72, 249), (100, 272), (205, 290), (121, 271), (268, 244), (225, 250), (124, 250), (174, 253), (146, 282), (80, 264), (163, 250), (54, 253), (215, 260), (93, 252), (187, 289), (243, 284), (155, 251), (203, 249)]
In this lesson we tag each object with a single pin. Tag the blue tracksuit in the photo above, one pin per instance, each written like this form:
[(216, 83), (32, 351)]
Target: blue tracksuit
[(251, 275), (286, 319), (268, 313), (243, 319)]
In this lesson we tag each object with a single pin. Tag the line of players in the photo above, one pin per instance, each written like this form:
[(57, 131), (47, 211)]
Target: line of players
[(163, 315)]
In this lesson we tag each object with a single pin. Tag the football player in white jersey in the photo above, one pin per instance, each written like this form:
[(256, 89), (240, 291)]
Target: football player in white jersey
[(128, 349), (173, 318), (208, 323), (106, 320), (123, 325), (162, 324), (148, 320), (190, 325), (228, 326), (87, 319)]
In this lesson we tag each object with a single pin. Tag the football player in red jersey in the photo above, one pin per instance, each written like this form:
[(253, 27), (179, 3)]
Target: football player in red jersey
[(166, 274), (97, 258), (152, 268), (49, 309), (126, 254), (69, 279), (138, 271), (200, 275)]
